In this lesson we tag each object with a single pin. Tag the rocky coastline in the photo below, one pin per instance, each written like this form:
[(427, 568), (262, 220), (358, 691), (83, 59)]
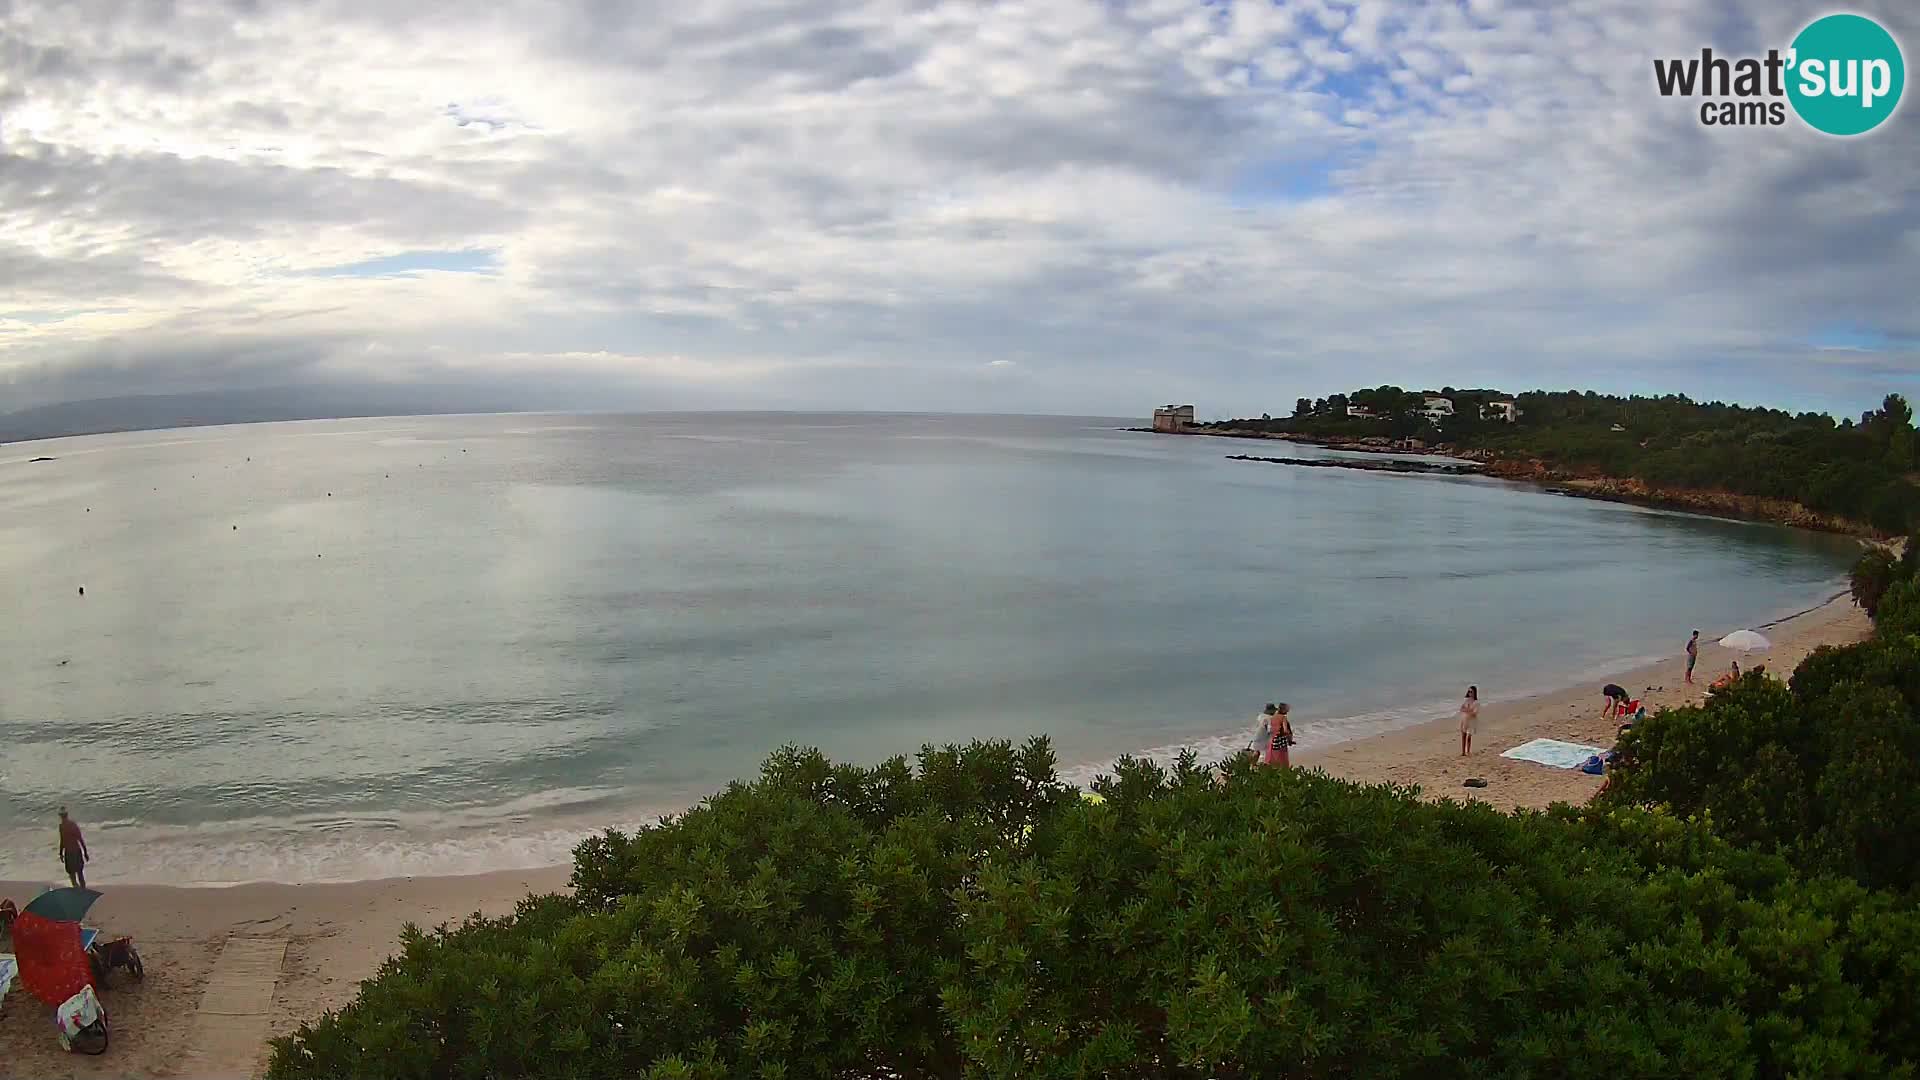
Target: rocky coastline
[(1465, 468), (1559, 481)]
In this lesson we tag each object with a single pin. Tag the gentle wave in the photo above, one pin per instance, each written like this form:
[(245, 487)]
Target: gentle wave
[(543, 829)]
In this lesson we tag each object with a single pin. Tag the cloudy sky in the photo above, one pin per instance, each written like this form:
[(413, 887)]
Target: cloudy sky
[(1085, 206)]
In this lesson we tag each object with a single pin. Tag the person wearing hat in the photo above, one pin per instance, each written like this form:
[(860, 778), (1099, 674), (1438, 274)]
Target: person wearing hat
[(1693, 654), (1273, 737), (73, 850)]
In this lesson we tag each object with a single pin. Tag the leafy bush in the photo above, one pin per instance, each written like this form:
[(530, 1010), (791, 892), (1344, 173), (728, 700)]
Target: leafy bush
[(1871, 577), (798, 926), (1828, 771), (973, 918), (1825, 768), (1898, 614)]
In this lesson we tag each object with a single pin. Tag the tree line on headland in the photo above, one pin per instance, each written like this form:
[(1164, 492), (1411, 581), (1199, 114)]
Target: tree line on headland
[(1742, 901), (1864, 473)]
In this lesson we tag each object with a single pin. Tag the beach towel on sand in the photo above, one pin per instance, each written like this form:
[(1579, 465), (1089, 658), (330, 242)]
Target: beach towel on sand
[(1560, 755)]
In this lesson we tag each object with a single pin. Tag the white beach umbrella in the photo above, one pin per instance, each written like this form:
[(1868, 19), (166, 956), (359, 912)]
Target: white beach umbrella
[(1745, 641)]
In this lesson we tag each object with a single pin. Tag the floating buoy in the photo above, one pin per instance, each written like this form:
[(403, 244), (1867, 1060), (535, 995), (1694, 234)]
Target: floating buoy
[(236, 528), (83, 590)]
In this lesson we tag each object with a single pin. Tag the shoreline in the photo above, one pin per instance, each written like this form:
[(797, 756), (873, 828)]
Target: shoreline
[(340, 933), (1427, 755), (1570, 483)]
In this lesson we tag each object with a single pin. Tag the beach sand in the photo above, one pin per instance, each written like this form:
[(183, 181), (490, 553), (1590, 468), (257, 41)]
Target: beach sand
[(337, 935), (1429, 755)]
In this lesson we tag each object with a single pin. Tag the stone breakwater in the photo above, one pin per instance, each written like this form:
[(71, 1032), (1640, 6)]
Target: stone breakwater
[(1429, 467)]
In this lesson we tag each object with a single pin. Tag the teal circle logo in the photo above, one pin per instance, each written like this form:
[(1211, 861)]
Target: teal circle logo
[(1846, 74)]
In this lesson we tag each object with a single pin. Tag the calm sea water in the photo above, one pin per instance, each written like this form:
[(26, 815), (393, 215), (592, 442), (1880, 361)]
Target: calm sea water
[(359, 648)]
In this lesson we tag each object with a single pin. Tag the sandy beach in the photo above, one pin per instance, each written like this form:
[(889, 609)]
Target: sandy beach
[(337, 934), (1429, 755)]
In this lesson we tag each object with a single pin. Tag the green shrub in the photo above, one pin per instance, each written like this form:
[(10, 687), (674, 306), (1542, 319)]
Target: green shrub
[(1827, 770), (973, 918), (800, 926), (1872, 575), (1899, 610)]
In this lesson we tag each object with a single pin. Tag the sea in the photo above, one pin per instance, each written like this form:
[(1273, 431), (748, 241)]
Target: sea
[(350, 649)]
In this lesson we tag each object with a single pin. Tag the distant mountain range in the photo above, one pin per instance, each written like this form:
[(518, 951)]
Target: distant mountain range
[(149, 412)]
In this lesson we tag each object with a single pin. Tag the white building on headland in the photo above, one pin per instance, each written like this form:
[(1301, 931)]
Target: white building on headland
[(1500, 410), (1437, 408), (1173, 418), (1360, 411)]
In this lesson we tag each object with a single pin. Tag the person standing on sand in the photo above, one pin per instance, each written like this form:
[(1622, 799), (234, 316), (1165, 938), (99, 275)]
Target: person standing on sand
[(73, 851), (1262, 725), (1469, 719), (1279, 738), (1693, 654)]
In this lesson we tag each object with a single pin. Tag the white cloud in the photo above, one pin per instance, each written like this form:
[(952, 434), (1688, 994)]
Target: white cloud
[(1254, 201)]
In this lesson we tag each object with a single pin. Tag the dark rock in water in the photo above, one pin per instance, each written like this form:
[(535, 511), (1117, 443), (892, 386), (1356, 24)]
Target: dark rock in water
[(32, 460), (1465, 468)]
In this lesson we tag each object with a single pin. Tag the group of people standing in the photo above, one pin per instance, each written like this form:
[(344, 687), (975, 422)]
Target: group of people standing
[(1273, 729), (1273, 736)]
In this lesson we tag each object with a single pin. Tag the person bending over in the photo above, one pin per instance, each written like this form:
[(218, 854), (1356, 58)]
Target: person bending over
[(1616, 699)]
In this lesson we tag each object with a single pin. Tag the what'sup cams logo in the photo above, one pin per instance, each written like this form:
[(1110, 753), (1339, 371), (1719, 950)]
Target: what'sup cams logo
[(1842, 75)]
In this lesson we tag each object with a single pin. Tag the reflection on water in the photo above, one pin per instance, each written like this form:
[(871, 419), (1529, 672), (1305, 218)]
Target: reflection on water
[(303, 645)]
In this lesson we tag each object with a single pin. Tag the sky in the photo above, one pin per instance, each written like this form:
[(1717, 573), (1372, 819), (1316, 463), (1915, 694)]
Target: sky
[(1088, 207)]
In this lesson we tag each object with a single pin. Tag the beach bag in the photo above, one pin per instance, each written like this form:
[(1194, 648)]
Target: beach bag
[(1593, 766), (82, 1023)]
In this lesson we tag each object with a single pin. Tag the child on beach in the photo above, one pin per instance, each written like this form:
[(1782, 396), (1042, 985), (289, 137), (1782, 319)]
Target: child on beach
[(1469, 718)]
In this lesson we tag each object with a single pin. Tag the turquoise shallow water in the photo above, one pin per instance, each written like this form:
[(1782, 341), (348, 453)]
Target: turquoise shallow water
[(357, 648)]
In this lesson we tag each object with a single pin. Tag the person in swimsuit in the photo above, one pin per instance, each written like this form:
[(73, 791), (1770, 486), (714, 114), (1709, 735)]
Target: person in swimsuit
[(1469, 719), (73, 850), (1693, 653)]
